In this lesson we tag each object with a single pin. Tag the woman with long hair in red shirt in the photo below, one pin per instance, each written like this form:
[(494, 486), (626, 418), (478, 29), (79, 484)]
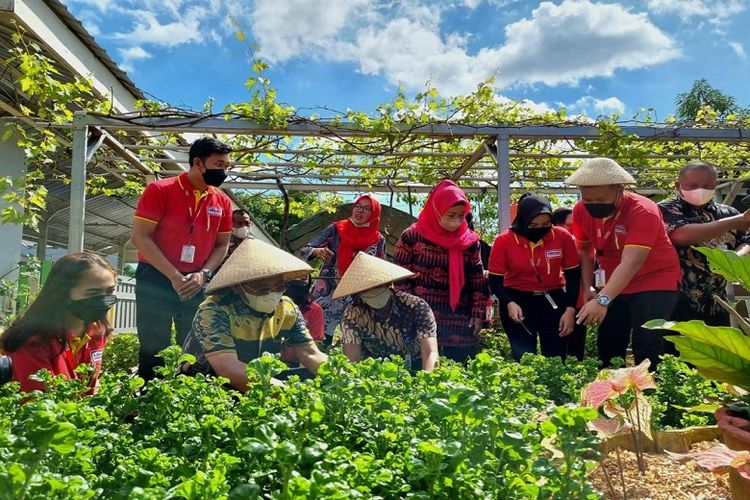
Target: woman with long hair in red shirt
[(66, 326)]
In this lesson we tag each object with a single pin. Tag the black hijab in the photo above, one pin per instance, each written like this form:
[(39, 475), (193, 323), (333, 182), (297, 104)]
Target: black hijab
[(529, 206)]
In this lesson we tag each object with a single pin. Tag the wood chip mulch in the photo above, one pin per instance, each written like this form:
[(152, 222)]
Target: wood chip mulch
[(664, 478)]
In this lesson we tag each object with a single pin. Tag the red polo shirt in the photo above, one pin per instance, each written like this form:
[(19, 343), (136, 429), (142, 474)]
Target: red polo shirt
[(36, 354), (184, 216), (533, 267), (637, 222)]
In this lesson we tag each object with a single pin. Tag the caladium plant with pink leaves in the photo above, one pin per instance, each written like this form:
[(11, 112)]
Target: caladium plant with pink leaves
[(619, 394), (718, 459)]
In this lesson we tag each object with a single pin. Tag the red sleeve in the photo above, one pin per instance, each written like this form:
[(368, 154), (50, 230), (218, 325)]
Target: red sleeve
[(31, 358), (314, 319), (571, 258), (579, 218), (497, 263), (225, 226), (151, 206), (643, 225)]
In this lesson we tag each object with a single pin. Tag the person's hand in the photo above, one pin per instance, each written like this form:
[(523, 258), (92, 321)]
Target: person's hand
[(323, 253), (592, 313), (515, 312), (477, 324), (567, 322), (588, 294), (191, 285)]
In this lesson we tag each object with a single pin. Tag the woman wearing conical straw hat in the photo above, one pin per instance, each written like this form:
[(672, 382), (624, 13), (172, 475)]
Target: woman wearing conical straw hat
[(245, 314), (336, 246), (381, 322)]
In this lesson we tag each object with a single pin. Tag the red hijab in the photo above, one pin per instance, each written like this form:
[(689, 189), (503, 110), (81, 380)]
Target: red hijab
[(446, 195), (353, 238)]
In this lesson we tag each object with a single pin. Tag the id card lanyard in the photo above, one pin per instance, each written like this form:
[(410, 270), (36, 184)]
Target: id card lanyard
[(539, 277), (600, 275), (188, 250)]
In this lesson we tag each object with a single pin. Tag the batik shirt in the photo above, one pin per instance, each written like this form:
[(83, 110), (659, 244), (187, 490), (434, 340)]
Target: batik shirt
[(328, 278), (698, 283), (410, 320), (225, 323)]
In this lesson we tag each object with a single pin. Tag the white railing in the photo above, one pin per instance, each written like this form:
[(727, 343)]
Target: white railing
[(125, 309)]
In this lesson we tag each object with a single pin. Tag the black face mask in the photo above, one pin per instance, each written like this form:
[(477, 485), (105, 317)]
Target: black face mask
[(92, 308), (214, 176), (535, 234), (600, 210)]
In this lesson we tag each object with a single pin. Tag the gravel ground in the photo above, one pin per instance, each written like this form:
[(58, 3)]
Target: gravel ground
[(664, 478)]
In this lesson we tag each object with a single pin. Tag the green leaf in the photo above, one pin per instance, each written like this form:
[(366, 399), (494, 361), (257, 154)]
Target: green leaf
[(719, 353), (63, 438), (727, 264)]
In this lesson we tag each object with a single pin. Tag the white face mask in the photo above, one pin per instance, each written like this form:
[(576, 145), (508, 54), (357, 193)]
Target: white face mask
[(241, 232), (377, 298), (697, 197), (266, 303)]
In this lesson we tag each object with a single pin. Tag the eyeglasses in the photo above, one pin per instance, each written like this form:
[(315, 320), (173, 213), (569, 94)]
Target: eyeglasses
[(263, 288), (364, 208)]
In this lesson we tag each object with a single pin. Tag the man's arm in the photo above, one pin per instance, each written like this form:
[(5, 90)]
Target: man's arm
[(631, 261), (219, 253), (142, 237), (227, 365), (429, 349), (353, 351), (309, 356), (691, 234), (586, 252)]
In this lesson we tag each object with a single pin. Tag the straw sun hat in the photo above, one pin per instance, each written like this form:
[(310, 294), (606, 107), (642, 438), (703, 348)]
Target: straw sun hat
[(367, 272), (599, 172), (256, 260)]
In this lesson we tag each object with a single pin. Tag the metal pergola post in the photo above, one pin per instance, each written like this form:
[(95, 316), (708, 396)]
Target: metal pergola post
[(502, 159), (78, 183)]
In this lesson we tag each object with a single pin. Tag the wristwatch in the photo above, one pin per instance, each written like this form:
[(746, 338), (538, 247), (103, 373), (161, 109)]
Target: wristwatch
[(603, 300), (207, 273)]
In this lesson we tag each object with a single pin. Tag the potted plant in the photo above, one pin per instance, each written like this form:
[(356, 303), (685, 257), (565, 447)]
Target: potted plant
[(722, 354)]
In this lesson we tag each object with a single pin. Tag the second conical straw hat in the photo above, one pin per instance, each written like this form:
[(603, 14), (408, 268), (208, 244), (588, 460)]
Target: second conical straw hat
[(253, 260), (600, 172), (366, 272)]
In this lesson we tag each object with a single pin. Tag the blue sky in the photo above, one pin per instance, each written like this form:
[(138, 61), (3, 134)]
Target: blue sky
[(591, 56)]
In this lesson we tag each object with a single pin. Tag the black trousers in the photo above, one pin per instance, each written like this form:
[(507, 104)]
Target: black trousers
[(157, 307), (627, 314), (683, 312), (577, 341), (540, 319), (459, 354)]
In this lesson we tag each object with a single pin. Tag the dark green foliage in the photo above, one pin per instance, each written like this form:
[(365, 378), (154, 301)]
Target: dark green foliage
[(121, 353), (679, 387), (358, 431)]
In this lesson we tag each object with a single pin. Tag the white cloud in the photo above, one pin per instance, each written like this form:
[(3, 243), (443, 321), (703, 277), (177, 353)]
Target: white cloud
[(578, 39), (714, 11), (599, 106), (472, 4), (557, 44), (289, 28), (189, 27), (738, 49)]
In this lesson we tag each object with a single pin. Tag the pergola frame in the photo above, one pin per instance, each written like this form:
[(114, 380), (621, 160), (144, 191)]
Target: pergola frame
[(494, 141)]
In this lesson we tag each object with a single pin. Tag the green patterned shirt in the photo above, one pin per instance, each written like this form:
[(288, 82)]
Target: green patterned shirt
[(224, 322)]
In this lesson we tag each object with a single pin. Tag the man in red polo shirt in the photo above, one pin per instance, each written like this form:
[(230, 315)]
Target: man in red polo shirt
[(636, 271), (181, 229)]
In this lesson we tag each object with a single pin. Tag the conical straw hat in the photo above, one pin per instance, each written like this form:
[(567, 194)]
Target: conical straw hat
[(600, 172), (366, 272), (253, 260)]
